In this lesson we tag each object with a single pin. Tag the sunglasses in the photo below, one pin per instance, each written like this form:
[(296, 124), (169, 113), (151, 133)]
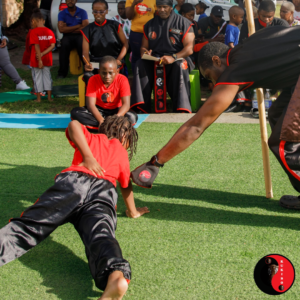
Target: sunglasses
[(100, 12)]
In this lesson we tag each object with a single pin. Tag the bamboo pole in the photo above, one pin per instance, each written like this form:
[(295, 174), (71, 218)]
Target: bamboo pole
[(262, 114)]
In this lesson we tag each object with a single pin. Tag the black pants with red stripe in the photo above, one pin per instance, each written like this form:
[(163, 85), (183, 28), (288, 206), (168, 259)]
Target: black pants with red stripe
[(85, 117), (177, 84), (86, 202), (287, 153)]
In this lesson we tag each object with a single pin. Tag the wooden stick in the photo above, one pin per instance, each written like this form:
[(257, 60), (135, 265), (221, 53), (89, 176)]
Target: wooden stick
[(262, 114)]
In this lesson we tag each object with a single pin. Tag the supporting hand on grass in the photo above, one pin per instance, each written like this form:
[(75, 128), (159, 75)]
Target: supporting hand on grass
[(139, 212), (91, 164)]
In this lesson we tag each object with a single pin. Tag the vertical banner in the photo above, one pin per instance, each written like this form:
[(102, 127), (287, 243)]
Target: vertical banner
[(160, 91)]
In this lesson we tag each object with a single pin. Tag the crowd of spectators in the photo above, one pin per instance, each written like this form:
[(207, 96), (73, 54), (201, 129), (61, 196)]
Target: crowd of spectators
[(140, 27)]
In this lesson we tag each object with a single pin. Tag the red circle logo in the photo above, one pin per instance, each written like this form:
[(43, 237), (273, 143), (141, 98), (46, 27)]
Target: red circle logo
[(160, 92), (274, 274), (108, 97), (172, 40), (160, 104), (152, 35), (144, 176), (184, 65)]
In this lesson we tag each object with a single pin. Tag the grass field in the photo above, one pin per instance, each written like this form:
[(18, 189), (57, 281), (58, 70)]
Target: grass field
[(209, 223)]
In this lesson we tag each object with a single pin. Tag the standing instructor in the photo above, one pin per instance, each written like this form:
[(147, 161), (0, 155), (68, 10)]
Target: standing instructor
[(268, 59)]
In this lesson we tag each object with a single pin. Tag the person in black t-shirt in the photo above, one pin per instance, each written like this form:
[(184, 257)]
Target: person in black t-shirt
[(102, 38), (213, 27), (269, 58)]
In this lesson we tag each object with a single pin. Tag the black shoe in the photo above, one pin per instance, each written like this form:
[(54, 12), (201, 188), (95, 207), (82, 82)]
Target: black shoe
[(291, 202), (254, 113), (60, 77)]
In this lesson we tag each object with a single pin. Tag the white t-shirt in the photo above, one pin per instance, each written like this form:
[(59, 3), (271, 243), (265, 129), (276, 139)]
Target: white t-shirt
[(297, 15)]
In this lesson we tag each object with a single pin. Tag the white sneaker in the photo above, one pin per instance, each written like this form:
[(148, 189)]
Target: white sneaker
[(22, 85)]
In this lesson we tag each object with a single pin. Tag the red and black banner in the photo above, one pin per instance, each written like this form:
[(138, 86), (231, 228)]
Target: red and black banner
[(160, 91)]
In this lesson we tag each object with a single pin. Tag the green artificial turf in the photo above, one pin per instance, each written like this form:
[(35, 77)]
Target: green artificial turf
[(209, 224), (61, 105)]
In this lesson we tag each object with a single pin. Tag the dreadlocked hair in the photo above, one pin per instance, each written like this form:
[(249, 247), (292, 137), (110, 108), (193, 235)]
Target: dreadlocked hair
[(115, 127)]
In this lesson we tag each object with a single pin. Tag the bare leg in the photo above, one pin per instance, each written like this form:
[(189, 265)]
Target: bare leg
[(49, 95), (116, 287), (38, 96)]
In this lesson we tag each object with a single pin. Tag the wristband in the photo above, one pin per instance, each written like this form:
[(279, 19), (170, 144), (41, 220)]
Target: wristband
[(154, 161)]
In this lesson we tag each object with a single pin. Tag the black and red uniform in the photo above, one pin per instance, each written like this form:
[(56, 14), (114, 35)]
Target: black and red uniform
[(270, 59), (165, 37), (259, 24), (108, 101), (103, 40), (85, 201)]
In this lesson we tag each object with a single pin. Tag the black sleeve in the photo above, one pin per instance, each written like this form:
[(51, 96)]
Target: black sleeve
[(224, 28), (281, 22), (202, 24), (244, 32), (86, 32), (146, 30)]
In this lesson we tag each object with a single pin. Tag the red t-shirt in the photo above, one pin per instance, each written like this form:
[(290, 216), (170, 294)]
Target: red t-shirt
[(44, 37), (108, 98), (110, 155)]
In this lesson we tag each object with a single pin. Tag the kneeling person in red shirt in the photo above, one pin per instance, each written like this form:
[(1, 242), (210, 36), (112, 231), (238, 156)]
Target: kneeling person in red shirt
[(43, 41), (108, 93), (85, 195)]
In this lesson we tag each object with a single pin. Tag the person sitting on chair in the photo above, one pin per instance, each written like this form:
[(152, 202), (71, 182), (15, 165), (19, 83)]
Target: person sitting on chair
[(108, 93), (101, 38), (169, 37), (70, 21)]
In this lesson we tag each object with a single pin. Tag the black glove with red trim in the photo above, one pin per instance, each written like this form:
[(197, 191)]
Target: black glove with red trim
[(145, 174)]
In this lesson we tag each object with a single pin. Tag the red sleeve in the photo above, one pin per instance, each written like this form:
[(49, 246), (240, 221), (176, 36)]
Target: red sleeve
[(124, 87), (86, 133), (124, 175), (33, 38), (91, 90)]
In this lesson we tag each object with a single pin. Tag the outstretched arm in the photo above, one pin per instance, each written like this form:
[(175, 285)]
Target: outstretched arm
[(78, 138), (132, 211), (220, 99)]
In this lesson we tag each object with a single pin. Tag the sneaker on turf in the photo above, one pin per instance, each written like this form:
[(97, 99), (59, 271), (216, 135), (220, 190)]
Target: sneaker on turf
[(22, 86)]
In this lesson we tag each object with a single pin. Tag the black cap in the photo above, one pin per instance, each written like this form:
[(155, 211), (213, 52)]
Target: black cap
[(217, 11)]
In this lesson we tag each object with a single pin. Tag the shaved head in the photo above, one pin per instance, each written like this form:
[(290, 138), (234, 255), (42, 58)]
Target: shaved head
[(236, 10), (267, 6), (108, 59)]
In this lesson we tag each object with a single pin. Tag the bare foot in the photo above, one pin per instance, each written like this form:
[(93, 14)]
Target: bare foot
[(116, 287), (37, 101), (51, 100)]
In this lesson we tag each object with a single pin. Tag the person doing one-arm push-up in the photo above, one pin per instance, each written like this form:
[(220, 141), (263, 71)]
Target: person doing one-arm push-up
[(85, 195)]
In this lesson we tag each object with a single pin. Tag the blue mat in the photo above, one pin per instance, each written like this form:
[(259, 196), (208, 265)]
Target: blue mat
[(43, 121)]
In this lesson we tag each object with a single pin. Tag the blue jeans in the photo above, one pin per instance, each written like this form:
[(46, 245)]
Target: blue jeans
[(135, 42)]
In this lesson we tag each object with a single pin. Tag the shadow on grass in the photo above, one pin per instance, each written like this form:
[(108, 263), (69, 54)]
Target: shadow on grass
[(189, 213), (64, 274)]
